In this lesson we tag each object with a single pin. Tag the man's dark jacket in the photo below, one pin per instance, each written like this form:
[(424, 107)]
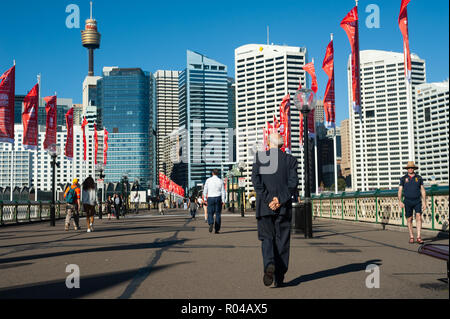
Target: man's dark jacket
[(274, 175)]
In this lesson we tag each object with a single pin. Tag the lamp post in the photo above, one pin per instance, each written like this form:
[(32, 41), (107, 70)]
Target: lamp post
[(242, 189), (101, 168), (54, 151), (305, 102)]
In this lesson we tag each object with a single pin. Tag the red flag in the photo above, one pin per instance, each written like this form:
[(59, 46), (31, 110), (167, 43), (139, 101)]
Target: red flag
[(311, 115), (50, 131), (83, 127), (7, 95), (329, 103), (266, 139), (312, 72), (350, 25), (105, 149), (69, 142), (285, 123), (96, 142), (403, 23), (276, 124), (30, 119)]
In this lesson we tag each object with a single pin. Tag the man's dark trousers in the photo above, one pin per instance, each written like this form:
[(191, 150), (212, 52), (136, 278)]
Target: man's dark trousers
[(275, 234), (215, 208)]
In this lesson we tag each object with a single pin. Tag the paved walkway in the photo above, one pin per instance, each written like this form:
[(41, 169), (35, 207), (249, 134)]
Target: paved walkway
[(173, 257)]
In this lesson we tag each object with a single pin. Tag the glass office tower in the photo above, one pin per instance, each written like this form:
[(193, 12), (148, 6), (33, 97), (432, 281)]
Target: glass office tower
[(204, 120), (126, 97)]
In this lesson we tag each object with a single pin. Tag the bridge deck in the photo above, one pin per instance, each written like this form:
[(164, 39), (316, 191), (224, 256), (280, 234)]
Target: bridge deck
[(167, 257)]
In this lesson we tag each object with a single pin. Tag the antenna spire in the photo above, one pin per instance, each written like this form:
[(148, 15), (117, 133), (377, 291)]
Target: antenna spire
[(91, 9)]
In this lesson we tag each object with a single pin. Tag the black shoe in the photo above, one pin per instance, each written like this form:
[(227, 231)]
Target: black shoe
[(211, 228), (217, 232), (268, 275), (279, 282)]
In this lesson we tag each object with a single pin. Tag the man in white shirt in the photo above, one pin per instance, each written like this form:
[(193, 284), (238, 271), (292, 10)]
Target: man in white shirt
[(214, 194)]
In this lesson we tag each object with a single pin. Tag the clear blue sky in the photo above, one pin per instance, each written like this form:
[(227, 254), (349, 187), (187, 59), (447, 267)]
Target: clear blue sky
[(155, 35)]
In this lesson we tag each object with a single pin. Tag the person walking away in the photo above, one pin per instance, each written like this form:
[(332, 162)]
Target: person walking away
[(89, 200), (193, 206), (161, 200), (136, 203), (109, 205), (205, 208), (72, 196), (414, 193), (275, 184), (214, 194), (117, 206)]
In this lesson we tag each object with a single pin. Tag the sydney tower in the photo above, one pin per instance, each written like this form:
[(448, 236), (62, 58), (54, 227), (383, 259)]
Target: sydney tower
[(90, 38)]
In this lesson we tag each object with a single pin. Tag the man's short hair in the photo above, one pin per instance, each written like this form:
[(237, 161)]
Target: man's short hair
[(215, 172)]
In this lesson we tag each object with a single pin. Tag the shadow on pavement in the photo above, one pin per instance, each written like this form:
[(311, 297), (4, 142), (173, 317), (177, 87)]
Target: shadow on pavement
[(332, 272), (88, 285), (162, 244)]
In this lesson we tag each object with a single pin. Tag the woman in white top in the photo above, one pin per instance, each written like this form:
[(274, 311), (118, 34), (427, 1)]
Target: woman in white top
[(89, 201)]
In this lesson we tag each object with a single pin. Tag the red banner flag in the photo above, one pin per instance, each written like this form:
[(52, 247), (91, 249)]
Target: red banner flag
[(312, 72), (276, 124), (266, 139), (83, 127), (350, 26), (285, 123), (403, 23), (329, 103), (96, 142), (30, 119), (69, 142), (105, 148), (7, 96), (50, 131)]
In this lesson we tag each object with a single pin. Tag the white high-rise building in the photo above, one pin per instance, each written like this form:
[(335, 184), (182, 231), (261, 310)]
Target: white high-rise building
[(431, 132), (167, 109), (25, 171), (265, 74), (384, 144)]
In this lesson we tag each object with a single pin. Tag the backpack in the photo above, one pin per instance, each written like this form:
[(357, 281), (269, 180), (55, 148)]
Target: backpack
[(71, 196)]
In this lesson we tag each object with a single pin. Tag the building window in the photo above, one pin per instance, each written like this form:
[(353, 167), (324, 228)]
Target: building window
[(427, 114)]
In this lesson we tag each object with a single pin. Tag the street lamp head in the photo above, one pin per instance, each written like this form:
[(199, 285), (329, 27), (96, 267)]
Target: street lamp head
[(100, 167), (54, 150), (305, 100), (241, 165)]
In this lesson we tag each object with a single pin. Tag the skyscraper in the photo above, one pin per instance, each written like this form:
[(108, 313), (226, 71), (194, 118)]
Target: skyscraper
[(126, 97), (203, 119), (384, 145), (265, 74), (431, 131), (167, 109)]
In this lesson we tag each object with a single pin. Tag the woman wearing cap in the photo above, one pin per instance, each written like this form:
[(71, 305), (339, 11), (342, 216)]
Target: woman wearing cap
[(413, 191)]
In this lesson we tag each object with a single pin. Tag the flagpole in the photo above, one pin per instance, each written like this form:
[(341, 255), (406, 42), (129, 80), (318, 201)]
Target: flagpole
[(12, 163), (336, 186), (363, 157), (37, 147)]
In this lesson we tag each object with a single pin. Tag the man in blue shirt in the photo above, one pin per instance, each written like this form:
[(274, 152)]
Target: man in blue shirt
[(413, 191)]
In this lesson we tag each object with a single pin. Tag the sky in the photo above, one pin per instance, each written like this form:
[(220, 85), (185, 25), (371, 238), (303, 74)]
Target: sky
[(154, 35)]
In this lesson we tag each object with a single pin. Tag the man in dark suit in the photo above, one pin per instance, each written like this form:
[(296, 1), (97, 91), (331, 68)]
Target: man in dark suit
[(275, 181)]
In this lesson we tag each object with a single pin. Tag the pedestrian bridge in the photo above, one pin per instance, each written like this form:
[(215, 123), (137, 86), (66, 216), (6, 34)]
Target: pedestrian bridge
[(378, 207)]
